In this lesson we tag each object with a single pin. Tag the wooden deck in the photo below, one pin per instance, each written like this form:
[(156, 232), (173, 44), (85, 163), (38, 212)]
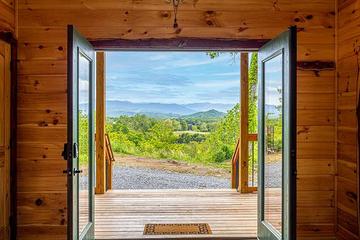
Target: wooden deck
[(122, 214)]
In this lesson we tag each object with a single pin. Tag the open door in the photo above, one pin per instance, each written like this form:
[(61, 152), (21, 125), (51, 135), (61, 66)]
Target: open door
[(79, 151), (277, 138)]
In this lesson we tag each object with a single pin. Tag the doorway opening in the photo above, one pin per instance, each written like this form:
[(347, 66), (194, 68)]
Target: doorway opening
[(173, 118), (170, 213), (173, 121)]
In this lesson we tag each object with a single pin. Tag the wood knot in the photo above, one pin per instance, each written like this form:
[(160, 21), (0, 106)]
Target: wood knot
[(60, 48), (39, 202), (48, 110), (43, 124), (241, 29), (55, 121), (209, 23), (309, 17), (210, 13), (165, 14), (303, 130)]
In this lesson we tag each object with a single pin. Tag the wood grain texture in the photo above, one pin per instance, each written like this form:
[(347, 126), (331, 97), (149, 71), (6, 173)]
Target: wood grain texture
[(348, 82), (100, 187), (7, 16), (122, 214), (244, 124), (42, 83), (5, 81)]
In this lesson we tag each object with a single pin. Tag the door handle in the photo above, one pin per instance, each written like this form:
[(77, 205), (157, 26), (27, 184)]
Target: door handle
[(76, 150), (77, 171)]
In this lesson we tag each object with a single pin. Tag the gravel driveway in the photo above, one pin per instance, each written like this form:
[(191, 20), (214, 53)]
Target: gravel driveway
[(146, 178), (125, 177)]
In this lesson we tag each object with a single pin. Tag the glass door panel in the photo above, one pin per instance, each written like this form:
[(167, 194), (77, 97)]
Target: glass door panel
[(273, 162), (84, 143)]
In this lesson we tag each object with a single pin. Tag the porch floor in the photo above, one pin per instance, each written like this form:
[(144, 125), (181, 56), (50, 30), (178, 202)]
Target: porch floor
[(122, 214)]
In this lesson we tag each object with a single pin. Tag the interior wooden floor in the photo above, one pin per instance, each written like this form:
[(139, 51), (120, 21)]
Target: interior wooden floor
[(122, 214)]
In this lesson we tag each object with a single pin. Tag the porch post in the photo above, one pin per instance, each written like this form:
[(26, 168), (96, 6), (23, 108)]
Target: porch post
[(100, 187), (244, 119)]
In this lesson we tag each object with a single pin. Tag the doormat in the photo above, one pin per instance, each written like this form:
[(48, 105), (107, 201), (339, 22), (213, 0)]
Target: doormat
[(177, 229)]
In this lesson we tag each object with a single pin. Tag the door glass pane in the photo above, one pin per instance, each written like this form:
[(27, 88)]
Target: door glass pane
[(273, 142), (84, 143)]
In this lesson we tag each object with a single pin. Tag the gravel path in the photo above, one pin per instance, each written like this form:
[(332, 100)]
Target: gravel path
[(273, 174), (148, 178)]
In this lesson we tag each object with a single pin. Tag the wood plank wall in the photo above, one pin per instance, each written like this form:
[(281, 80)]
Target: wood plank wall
[(5, 86), (7, 24), (348, 83), (7, 16), (42, 90)]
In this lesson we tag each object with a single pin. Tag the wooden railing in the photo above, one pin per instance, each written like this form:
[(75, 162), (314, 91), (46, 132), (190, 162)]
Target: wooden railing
[(109, 156), (235, 167), (240, 166)]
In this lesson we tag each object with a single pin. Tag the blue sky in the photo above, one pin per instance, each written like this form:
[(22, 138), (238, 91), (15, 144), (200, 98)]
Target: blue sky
[(172, 77)]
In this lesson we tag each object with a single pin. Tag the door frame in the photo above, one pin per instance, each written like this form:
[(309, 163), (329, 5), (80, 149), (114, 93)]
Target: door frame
[(10, 38), (178, 44)]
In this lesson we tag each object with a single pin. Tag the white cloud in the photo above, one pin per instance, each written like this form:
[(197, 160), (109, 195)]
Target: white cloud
[(219, 84), (83, 85)]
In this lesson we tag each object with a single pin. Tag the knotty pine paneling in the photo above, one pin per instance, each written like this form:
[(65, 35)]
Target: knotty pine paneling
[(347, 180), (42, 88), (7, 16)]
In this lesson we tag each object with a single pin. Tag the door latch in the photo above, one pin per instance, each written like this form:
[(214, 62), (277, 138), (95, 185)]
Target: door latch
[(65, 153), (73, 153)]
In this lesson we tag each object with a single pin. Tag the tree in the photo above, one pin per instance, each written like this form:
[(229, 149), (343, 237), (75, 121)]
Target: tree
[(253, 99)]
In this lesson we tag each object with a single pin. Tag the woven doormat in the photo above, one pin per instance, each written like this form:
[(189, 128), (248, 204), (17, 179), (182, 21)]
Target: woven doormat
[(177, 229)]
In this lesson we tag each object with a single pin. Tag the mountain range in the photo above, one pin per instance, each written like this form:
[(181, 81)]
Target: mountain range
[(116, 108)]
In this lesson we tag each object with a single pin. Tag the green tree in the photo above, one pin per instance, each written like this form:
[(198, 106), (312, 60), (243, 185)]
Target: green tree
[(253, 99)]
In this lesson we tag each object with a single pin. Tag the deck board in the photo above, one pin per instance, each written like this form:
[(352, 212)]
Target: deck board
[(122, 214)]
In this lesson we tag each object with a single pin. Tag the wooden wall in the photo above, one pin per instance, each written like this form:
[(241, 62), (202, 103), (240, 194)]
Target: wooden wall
[(42, 90), (7, 16), (348, 83), (5, 86), (7, 24)]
